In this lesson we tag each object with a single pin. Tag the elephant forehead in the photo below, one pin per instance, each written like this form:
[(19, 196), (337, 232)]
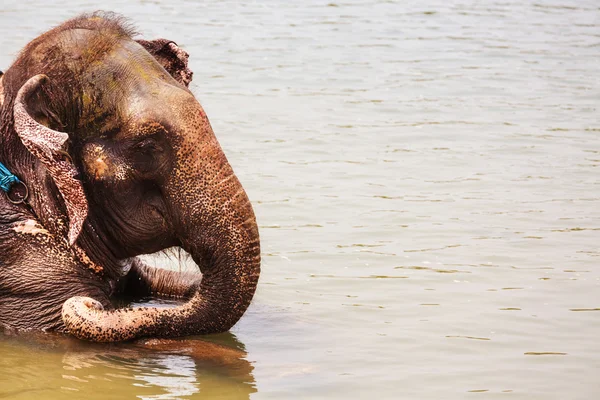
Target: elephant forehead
[(129, 94), (125, 71), (125, 83)]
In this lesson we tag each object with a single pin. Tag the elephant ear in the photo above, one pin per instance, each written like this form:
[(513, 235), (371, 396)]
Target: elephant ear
[(47, 145), (171, 57)]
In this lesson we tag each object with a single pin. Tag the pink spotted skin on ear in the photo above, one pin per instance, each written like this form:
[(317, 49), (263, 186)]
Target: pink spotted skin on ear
[(47, 145)]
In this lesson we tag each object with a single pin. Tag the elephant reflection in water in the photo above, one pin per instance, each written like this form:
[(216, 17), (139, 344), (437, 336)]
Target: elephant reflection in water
[(153, 368)]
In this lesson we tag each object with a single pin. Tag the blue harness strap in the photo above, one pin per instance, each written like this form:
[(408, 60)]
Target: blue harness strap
[(7, 179)]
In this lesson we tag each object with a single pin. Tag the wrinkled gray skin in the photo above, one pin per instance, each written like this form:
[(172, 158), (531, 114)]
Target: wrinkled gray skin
[(120, 160)]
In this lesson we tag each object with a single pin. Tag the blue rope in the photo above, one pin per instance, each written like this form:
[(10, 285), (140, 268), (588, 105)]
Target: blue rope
[(7, 179)]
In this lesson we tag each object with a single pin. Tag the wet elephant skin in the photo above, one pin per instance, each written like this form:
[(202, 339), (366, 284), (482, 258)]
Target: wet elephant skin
[(120, 160)]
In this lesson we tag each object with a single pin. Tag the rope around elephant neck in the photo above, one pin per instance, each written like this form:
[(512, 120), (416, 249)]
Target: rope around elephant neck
[(7, 178)]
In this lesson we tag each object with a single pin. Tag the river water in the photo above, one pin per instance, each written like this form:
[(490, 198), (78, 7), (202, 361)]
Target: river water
[(426, 180)]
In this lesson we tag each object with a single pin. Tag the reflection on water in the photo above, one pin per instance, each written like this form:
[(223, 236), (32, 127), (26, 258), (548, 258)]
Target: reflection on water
[(53, 367), (179, 377)]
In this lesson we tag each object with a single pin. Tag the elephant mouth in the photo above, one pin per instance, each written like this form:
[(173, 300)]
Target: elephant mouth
[(174, 258)]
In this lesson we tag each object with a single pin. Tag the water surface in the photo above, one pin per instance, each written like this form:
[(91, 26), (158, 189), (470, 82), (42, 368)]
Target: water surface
[(425, 177)]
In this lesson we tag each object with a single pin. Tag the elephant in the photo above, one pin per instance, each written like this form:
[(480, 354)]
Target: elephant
[(112, 157)]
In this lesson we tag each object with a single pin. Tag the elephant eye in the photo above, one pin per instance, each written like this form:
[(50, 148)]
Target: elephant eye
[(146, 145), (144, 155)]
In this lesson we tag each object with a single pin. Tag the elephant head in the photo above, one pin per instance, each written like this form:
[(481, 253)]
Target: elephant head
[(126, 163)]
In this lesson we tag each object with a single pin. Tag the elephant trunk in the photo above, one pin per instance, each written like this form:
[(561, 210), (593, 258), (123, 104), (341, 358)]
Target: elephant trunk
[(221, 234), (218, 228)]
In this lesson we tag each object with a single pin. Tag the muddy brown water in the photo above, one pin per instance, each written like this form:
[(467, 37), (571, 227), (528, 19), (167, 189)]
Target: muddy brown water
[(426, 180)]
